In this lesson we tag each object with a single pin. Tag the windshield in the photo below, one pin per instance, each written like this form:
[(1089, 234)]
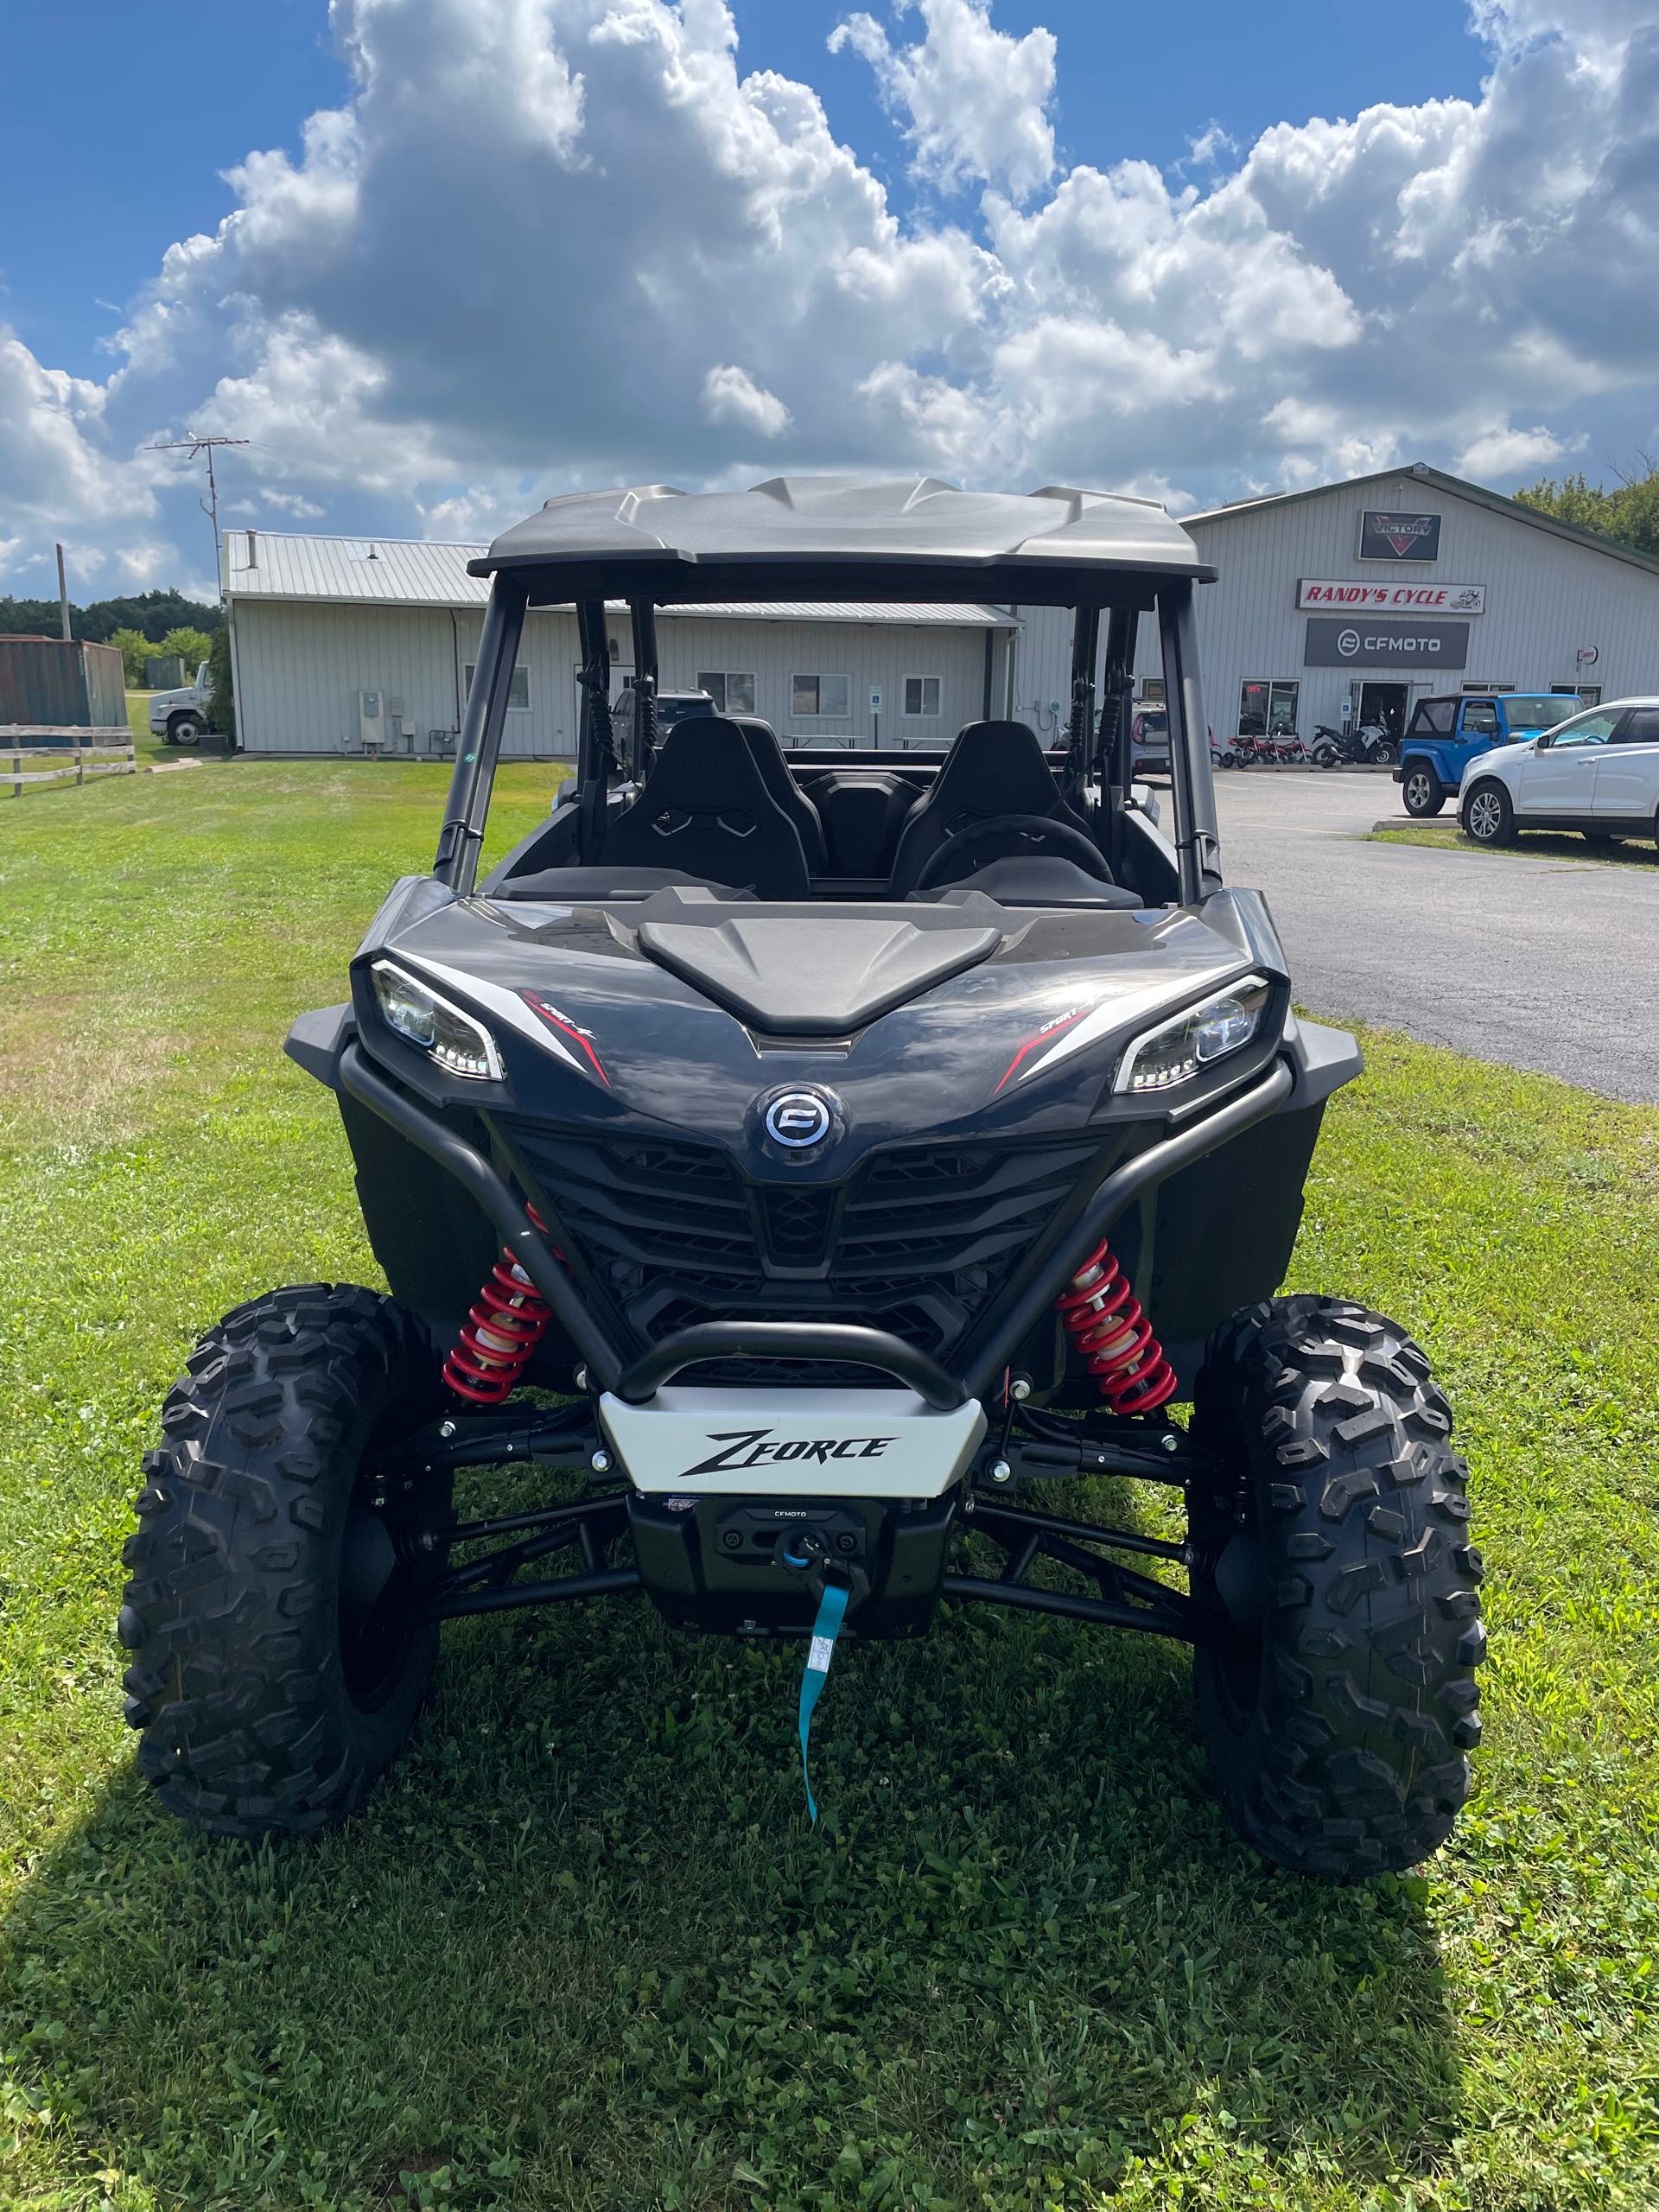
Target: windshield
[(1539, 713)]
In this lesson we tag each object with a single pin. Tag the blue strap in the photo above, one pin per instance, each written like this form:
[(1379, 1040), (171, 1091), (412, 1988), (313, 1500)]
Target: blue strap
[(820, 1652)]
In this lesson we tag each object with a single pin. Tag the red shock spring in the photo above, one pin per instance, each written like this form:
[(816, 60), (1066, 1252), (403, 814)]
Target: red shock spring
[(1103, 1318), (499, 1333)]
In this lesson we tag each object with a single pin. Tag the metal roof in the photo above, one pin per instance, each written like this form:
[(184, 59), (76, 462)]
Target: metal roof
[(656, 538), (415, 572), (1458, 487)]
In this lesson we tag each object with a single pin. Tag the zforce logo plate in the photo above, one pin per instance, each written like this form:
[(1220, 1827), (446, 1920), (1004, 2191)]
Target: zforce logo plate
[(758, 1448)]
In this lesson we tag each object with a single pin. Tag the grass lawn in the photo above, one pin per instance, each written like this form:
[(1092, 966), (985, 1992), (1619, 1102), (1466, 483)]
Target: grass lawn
[(584, 1951), (1532, 844)]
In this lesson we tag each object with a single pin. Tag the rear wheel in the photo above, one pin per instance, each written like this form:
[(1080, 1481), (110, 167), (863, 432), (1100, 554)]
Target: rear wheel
[(1489, 816), (1336, 1535), (274, 1675), (1421, 790)]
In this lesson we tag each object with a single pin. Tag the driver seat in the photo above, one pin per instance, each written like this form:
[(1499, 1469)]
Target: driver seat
[(994, 769)]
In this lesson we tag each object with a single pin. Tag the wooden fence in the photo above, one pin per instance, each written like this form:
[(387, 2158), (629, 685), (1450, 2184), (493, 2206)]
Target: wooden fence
[(78, 754)]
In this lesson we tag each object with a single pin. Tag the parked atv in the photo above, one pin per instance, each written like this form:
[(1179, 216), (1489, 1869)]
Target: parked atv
[(803, 1126)]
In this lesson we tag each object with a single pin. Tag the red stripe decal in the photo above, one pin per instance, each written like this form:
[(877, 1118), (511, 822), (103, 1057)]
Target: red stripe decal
[(556, 1021), (1042, 1037)]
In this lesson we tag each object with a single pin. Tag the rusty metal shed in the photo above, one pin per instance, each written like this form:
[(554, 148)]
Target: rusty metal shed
[(61, 683)]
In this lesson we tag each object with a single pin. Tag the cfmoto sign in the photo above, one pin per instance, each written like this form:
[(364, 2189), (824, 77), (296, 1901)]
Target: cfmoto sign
[(1336, 643)]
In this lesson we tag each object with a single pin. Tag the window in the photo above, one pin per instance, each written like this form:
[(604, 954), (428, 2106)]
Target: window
[(1542, 713), (1434, 718), (1152, 690), (517, 691), (921, 694), (822, 695), (1479, 718), (1587, 695), (1268, 709), (1488, 688), (733, 693), (1587, 729), (1641, 727)]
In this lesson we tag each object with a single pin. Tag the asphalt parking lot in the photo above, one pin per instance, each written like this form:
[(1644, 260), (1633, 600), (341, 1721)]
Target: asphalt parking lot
[(1541, 963)]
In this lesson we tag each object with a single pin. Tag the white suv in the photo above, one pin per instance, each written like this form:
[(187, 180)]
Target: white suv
[(1596, 772)]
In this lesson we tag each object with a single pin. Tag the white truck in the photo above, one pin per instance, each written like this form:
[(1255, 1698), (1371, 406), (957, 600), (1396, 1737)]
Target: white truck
[(186, 715)]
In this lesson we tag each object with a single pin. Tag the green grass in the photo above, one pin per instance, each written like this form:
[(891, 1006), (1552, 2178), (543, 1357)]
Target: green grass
[(1532, 844), (584, 1951)]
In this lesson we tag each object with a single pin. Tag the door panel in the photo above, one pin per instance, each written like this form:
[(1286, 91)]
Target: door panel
[(1560, 779), (1627, 773)]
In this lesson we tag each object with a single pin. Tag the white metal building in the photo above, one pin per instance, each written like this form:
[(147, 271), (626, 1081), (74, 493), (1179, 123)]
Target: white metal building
[(1337, 605), (338, 641), (1322, 615)]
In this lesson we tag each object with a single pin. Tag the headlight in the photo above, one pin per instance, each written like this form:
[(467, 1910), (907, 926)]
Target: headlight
[(457, 1042), (1195, 1039)]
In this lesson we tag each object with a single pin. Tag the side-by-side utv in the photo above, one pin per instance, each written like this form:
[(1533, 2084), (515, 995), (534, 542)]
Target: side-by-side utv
[(818, 1151)]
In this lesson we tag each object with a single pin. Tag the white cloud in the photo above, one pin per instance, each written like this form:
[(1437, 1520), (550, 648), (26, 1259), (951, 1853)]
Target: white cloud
[(552, 244), (972, 101), (1501, 451), (731, 395), (295, 504), (1211, 146)]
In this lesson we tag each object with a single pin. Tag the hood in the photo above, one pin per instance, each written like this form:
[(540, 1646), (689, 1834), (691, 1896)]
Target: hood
[(683, 1013)]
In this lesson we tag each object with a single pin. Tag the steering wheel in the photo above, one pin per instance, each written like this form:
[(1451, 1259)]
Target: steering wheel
[(1011, 829)]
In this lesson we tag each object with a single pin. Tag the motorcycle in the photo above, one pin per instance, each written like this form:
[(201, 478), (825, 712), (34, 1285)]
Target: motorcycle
[(1367, 746)]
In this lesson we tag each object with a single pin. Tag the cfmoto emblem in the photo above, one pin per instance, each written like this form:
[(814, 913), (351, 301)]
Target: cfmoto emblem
[(798, 1119)]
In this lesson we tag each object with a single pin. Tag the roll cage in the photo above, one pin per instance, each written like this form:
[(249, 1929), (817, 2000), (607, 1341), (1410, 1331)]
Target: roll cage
[(1109, 598)]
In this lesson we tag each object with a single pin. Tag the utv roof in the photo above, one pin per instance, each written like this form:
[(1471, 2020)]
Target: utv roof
[(836, 537)]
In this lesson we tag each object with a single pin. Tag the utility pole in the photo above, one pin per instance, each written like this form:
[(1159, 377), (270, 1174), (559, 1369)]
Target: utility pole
[(63, 595), (195, 446)]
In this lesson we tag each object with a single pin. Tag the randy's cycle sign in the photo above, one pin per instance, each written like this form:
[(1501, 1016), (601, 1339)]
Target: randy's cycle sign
[(1387, 535), (1334, 643)]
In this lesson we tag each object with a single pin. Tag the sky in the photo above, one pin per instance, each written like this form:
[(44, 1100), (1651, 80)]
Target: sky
[(439, 259)]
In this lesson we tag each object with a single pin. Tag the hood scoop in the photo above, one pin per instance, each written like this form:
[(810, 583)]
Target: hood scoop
[(820, 975)]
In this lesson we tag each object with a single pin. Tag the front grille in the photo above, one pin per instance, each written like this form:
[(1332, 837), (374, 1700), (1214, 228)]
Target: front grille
[(920, 1240)]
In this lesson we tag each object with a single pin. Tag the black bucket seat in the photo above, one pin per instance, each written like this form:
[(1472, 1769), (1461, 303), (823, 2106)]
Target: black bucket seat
[(706, 810), (994, 769), (768, 757)]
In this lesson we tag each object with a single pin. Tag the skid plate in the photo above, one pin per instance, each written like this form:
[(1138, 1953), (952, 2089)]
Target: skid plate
[(815, 1443)]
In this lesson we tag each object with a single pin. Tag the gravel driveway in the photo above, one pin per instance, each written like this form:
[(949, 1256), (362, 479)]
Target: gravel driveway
[(1549, 965)]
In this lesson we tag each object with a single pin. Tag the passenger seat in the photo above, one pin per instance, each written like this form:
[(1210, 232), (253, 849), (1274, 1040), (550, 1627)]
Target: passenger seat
[(768, 757)]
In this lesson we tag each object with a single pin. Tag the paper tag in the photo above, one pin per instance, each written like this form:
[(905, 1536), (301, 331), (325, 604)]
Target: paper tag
[(823, 1651)]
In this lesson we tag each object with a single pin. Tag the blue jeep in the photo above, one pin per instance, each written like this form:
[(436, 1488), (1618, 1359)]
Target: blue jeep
[(1445, 734)]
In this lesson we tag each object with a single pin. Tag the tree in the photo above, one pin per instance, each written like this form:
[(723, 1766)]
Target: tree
[(193, 646), (135, 650), (152, 612), (1629, 514)]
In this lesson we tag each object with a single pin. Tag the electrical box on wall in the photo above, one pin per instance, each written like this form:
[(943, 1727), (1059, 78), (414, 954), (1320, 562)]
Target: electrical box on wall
[(371, 720)]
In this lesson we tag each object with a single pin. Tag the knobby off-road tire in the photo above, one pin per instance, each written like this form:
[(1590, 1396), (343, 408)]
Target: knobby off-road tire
[(270, 1680), (1337, 1731)]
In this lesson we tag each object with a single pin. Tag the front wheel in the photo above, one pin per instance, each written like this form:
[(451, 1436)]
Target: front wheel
[(184, 729), (1387, 752), (1337, 1711), (1421, 790), (276, 1670), (1489, 816)]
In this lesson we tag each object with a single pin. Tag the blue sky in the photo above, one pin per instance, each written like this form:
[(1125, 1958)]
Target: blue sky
[(973, 238)]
